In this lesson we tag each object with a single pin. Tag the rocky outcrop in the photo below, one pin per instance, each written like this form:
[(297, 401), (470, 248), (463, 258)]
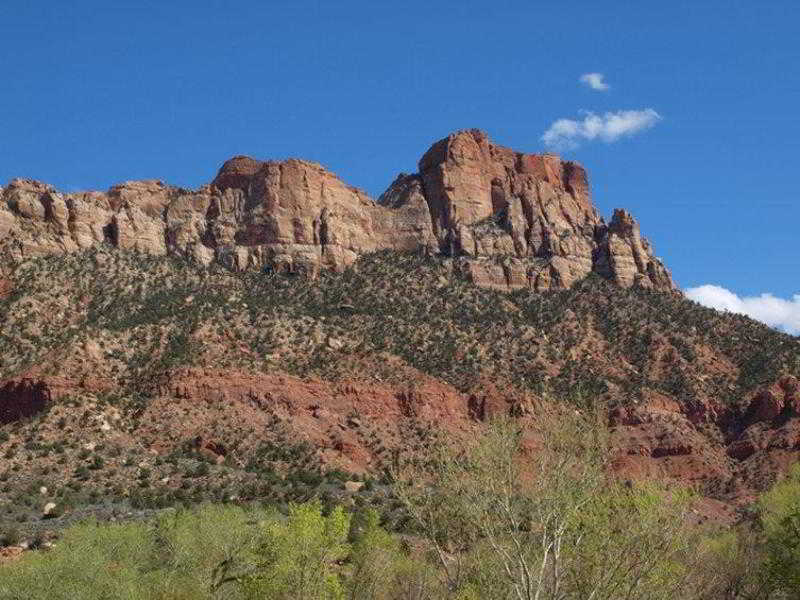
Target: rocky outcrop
[(627, 258), (527, 220), (508, 220), (334, 418), (22, 398), (780, 399)]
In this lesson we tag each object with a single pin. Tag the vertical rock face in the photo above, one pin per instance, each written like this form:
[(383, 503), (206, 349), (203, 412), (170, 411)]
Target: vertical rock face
[(287, 212), (527, 220), (509, 220), (627, 258)]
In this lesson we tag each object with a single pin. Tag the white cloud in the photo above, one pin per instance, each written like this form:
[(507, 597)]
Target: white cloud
[(775, 312), (566, 134), (595, 81)]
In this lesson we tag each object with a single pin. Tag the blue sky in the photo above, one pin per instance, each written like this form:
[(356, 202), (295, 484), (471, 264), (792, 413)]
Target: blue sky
[(94, 93)]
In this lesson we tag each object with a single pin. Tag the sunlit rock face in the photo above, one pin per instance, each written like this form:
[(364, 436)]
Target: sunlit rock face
[(508, 220)]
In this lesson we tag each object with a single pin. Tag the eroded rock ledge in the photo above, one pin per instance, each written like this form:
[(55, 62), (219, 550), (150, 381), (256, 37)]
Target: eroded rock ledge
[(509, 220)]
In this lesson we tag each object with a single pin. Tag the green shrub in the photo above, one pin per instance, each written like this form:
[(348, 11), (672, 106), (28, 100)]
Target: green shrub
[(10, 536), (176, 557), (295, 558), (780, 515)]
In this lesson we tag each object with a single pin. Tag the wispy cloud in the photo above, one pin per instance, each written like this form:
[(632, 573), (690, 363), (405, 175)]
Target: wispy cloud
[(595, 81), (771, 310), (567, 134)]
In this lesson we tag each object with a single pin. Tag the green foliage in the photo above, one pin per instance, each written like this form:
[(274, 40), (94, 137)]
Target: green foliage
[(222, 552), (91, 562), (149, 315), (586, 536), (176, 557), (559, 528), (296, 558), (729, 566), (10, 536), (780, 515), (375, 558)]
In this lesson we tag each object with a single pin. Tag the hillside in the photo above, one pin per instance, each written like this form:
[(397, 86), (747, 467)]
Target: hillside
[(279, 335), (130, 379)]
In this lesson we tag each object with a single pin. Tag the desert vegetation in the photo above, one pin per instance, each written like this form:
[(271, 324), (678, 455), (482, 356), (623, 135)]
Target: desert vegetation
[(492, 521), (124, 322), (147, 314), (157, 450)]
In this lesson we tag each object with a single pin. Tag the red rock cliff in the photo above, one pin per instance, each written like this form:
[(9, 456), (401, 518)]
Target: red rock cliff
[(508, 220)]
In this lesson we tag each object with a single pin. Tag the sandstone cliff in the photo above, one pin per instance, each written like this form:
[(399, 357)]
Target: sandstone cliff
[(509, 220)]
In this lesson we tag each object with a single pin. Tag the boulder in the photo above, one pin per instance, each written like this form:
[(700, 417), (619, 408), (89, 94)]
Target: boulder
[(353, 486)]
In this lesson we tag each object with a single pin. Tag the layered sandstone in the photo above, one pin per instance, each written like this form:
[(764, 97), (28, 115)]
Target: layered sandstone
[(508, 220)]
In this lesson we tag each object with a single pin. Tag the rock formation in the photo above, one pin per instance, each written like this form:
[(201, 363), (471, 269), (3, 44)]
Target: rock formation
[(508, 220)]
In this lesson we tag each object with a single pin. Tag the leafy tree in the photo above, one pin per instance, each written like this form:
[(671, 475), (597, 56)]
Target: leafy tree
[(554, 528), (373, 558), (728, 566), (780, 515), (173, 558), (297, 558)]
